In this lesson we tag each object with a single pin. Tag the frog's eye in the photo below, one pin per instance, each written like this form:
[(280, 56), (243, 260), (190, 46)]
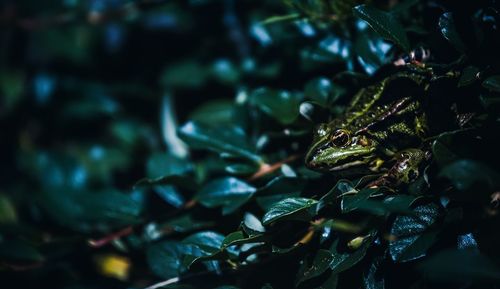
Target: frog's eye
[(340, 138)]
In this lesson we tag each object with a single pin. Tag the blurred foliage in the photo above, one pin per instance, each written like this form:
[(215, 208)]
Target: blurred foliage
[(161, 143)]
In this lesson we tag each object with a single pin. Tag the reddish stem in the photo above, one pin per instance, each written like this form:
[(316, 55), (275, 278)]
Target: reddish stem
[(267, 168), (111, 237)]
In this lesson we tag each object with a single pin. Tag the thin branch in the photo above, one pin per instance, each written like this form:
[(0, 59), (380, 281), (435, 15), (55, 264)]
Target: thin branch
[(111, 237), (267, 168)]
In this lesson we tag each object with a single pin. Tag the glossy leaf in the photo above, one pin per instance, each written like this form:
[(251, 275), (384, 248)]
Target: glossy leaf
[(229, 193), (414, 235), (165, 259), (342, 261), (448, 29), (290, 208), (385, 24), (319, 265), (230, 140), (353, 201)]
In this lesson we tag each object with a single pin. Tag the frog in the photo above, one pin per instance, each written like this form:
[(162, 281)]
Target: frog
[(383, 130)]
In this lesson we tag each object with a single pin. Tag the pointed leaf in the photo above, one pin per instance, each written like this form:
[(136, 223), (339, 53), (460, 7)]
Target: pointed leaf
[(384, 24), (291, 208)]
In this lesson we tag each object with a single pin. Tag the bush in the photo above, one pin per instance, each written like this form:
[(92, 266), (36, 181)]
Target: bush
[(160, 144)]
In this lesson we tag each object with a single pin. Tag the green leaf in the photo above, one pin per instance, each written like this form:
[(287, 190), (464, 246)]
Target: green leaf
[(185, 182), (413, 234), (279, 104), (89, 211), (289, 209), (229, 193), (252, 225), (19, 251), (469, 76), (451, 146), (330, 283), (392, 204), (342, 187), (342, 260), (240, 169), (223, 139), (321, 90), (266, 202), (319, 265), (238, 238), (166, 259), (374, 278), (492, 83), (353, 201), (220, 112), (207, 241), (448, 266), (385, 24), (462, 177), (448, 29)]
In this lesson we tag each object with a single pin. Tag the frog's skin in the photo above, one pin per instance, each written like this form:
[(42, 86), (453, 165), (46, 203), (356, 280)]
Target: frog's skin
[(382, 120)]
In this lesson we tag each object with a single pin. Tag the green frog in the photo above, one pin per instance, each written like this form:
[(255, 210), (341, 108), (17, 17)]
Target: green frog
[(386, 123)]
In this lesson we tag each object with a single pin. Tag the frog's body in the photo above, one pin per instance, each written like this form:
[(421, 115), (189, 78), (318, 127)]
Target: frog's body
[(382, 120)]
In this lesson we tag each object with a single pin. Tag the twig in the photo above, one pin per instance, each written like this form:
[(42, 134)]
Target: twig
[(111, 237), (267, 168)]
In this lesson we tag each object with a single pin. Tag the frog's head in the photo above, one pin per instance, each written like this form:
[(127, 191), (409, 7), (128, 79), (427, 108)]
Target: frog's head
[(338, 149)]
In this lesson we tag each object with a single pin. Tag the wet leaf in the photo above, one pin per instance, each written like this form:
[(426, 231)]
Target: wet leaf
[(414, 235)]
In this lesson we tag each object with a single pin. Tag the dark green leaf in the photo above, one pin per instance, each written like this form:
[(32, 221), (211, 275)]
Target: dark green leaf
[(166, 258), (460, 174), (448, 29), (492, 83), (342, 260), (240, 169), (384, 24), (291, 208), (279, 104), (224, 139), (218, 112), (19, 251), (330, 283), (352, 201), (413, 234), (321, 90), (208, 241), (229, 193), (319, 265), (469, 76), (460, 266), (374, 278)]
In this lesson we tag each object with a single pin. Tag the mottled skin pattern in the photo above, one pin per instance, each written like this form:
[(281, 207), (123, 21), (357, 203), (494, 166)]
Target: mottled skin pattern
[(383, 121)]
